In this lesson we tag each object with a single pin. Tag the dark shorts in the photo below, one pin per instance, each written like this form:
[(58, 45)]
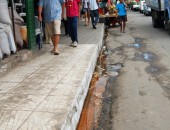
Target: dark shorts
[(85, 9), (123, 18)]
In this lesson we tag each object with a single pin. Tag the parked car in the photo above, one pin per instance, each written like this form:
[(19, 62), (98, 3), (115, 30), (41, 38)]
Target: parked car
[(135, 6), (146, 10)]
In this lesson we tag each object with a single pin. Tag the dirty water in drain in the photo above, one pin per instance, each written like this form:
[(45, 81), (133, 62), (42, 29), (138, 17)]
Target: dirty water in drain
[(99, 99)]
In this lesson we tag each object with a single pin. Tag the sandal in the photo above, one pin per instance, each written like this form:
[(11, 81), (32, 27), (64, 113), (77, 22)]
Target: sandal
[(56, 53), (52, 51)]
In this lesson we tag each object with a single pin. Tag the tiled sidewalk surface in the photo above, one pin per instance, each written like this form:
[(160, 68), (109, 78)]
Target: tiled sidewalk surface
[(48, 92)]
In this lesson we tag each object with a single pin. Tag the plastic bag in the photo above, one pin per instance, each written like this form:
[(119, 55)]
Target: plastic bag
[(17, 18), (4, 46), (11, 42), (7, 29), (4, 13)]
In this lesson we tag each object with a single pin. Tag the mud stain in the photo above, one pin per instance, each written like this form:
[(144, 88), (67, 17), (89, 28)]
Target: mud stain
[(132, 28), (142, 93), (156, 69), (115, 34)]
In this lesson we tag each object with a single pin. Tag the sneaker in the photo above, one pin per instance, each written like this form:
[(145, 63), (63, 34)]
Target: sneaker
[(75, 44), (94, 26), (71, 44)]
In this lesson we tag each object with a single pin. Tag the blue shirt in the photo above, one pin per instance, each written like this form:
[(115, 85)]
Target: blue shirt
[(121, 9), (52, 9)]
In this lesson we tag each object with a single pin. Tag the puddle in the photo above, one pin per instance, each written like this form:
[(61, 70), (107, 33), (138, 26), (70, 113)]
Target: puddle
[(147, 56), (137, 43), (114, 67)]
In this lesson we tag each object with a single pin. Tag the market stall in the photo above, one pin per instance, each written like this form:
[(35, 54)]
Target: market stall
[(108, 13), (18, 27)]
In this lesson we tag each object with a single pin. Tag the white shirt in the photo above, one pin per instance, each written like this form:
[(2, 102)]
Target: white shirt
[(85, 3), (92, 4)]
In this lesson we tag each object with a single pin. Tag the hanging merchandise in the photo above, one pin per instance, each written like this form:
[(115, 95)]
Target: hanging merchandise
[(17, 18), (11, 41), (4, 46), (4, 13), (24, 36), (7, 29), (18, 36)]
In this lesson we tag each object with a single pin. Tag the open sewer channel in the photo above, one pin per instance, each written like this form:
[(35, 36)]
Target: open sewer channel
[(96, 113)]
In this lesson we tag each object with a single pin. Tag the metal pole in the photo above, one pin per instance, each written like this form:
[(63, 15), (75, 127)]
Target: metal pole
[(13, 24)]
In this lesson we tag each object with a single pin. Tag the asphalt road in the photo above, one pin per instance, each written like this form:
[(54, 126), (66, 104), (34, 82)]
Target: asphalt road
[(143, 84)]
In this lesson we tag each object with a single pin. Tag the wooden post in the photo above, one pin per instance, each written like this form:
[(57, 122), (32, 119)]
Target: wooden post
[(13, 24)]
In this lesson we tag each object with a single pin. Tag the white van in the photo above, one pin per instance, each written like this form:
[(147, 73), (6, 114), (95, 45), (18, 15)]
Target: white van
[(141, 2)]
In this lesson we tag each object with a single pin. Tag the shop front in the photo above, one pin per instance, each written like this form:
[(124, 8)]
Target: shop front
[(19, 27)]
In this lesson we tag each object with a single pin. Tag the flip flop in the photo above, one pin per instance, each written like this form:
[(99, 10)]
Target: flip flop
[(52, 51), (56, 53)]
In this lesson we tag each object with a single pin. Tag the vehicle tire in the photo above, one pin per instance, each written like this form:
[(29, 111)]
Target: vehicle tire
[(155, 21), (161, 23), (144, 13)]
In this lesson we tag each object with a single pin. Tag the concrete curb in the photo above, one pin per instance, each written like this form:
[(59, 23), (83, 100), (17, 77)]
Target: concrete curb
[(74, 111)]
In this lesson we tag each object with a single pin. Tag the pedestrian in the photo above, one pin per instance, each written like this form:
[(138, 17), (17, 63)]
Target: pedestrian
[(93, 6), (53, 12), (73, 14), (65, 22), (86, 12), (121, 8)]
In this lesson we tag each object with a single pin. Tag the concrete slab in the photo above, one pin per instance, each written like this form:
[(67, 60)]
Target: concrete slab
[(48, 92)]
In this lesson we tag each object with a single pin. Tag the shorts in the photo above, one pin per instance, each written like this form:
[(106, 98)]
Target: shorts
[(53, 27), (122, 18)]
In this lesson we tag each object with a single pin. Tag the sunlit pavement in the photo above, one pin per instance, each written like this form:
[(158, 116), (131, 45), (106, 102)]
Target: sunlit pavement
[(48, 91)]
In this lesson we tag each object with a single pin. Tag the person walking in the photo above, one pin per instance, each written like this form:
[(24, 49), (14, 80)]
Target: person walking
[(52, 11), (86, 12), (93, 6), (121, 8), (73, 14)]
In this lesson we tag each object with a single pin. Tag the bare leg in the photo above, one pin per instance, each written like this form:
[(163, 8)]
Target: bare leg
[(85, 15), (121, 26), (88, 17), (55, 40), (124, 25)]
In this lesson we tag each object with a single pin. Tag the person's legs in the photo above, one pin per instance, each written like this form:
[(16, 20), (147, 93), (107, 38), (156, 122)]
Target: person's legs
[(124, 23), (88, 17), (56, 35), (85, 17), (65, 27), (92, 18), (121, 23), (70, 27), (55, 39), (96, 16), (75, 38)]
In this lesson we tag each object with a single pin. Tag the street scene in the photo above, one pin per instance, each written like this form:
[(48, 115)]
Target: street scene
[(109, 73)]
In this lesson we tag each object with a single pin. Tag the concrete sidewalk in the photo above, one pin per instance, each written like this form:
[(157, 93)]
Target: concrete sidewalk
[(48, 92)]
